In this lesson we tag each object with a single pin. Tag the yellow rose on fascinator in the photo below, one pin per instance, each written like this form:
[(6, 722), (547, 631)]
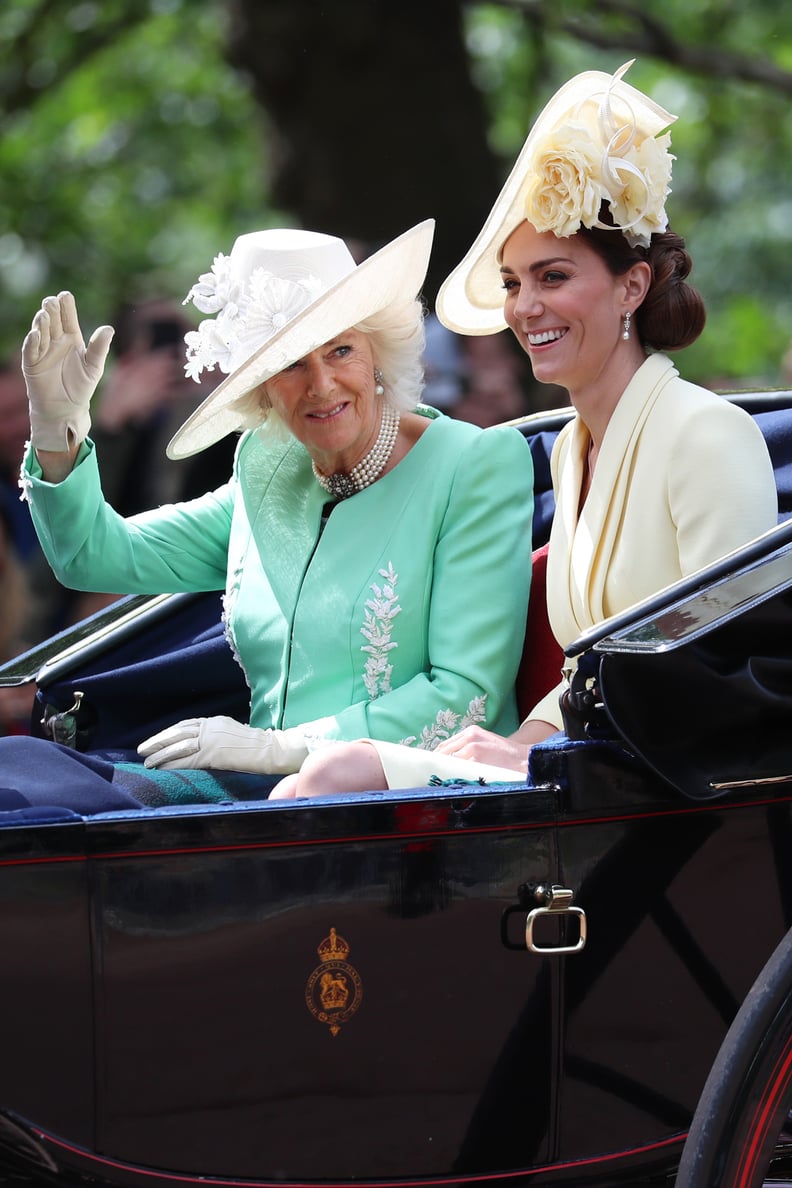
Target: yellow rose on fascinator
[(565, 189), (600, 155), (638, 204)]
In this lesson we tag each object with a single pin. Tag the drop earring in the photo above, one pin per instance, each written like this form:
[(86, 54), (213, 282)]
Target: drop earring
[(380, 388), (626, 320)]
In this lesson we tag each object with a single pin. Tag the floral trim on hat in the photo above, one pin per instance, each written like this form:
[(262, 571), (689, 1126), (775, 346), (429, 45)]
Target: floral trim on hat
[(247, 316), (596, 154)]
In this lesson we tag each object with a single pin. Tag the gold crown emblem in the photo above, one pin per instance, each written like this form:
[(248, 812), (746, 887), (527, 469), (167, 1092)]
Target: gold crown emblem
[(333, 947)]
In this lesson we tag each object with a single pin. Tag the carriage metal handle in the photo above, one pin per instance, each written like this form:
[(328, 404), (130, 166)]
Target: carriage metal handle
[(558, 902)]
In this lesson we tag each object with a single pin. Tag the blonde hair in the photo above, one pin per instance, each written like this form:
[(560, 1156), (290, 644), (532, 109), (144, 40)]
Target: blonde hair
[(397, 338)]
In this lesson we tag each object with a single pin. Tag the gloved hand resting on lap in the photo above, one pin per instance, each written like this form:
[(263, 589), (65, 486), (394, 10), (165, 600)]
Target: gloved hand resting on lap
[(226, 745)]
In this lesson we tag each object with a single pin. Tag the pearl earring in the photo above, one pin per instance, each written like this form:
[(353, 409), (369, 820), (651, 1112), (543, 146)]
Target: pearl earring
[(378, 376), (626, 320)]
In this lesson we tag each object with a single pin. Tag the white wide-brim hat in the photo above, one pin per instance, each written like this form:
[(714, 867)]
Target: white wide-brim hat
[(284, 293), (470, 300)]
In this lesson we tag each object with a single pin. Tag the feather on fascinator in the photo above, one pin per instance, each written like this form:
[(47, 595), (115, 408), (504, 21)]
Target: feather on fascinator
[(597, 140)]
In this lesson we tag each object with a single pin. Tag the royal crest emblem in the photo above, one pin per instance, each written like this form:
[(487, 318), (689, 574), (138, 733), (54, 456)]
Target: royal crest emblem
[(334, 990)]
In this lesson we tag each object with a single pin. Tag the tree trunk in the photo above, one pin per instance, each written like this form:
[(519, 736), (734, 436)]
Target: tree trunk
[(374, 121)]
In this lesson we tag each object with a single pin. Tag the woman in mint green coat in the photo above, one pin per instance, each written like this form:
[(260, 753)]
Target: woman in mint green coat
[(375, 555)]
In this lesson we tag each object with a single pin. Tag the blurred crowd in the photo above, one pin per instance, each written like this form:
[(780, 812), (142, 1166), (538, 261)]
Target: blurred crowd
[(143, 399)]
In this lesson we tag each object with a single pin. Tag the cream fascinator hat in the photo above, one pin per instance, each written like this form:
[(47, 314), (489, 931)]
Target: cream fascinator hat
[(277, 297), (598, 139)]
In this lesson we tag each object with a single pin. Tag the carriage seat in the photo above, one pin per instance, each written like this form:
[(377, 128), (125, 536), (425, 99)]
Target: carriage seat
[(542, 658)]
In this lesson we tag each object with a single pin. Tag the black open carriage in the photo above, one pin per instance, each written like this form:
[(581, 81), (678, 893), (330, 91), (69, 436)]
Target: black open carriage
[(451, 985)]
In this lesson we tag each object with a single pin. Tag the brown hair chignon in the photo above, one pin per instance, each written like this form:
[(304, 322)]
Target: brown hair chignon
[(673, 314)]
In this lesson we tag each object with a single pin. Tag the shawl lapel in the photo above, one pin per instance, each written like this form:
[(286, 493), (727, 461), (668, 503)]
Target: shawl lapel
[(588, 542)]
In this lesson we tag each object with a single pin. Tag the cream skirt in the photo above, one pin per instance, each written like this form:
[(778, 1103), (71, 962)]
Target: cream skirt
[(409, 767)]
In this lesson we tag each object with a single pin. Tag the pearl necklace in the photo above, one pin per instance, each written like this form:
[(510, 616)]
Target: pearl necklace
[(342, 484)]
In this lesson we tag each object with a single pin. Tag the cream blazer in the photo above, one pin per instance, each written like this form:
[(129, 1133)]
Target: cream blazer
[(682, 478)]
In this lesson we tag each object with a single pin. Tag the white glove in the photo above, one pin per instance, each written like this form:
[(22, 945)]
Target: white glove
[(226, 745), (61, 373)]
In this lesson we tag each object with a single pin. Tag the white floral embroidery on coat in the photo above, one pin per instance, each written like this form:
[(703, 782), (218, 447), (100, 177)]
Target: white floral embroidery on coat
[(446, 723), (227, 602), (24, 482), (381, 610)]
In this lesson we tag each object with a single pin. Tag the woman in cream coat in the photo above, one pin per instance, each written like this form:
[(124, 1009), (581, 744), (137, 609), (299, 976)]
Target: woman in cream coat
[(654, 477)]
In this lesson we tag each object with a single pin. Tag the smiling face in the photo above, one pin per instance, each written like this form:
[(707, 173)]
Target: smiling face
[(327, 400), (566, 309)]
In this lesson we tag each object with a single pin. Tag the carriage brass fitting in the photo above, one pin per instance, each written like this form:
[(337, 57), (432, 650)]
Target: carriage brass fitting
[(556, 901)]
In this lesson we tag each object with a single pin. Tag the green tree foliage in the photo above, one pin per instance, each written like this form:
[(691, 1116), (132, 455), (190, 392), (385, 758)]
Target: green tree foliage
[(129, 151), (132, 149)]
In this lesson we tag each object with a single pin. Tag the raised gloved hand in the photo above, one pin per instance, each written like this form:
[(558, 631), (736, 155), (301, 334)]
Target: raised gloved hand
[(226, 745), (61, 373)]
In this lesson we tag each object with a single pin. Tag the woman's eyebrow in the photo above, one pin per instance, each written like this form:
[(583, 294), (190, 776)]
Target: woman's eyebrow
[(539, 264)]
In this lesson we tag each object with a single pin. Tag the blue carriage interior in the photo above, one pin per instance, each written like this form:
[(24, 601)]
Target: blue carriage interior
[(176, 664)]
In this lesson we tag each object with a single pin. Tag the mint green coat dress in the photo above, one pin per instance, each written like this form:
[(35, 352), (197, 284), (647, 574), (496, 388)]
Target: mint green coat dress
[(401, 618)]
